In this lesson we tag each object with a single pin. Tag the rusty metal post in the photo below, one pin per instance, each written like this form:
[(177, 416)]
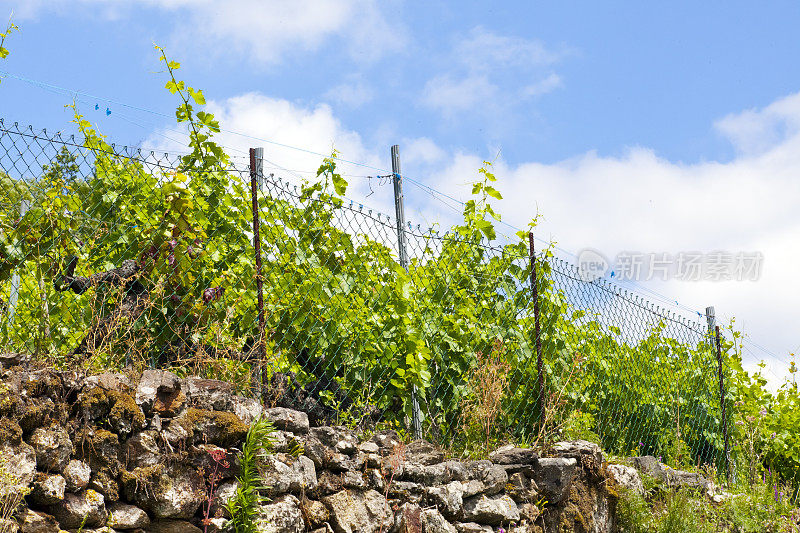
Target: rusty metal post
[(536, 331), (256, 159), (397, 180), (722, 404)]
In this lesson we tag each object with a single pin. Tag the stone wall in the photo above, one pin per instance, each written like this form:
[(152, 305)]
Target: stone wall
[(117, 452)]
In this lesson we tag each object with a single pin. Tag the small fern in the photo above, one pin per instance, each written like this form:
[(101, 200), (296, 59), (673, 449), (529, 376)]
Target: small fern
[(243, 507)]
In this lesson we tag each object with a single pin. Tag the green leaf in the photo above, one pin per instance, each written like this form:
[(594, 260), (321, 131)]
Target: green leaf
[(339, 184), (197, 96), (494, 193)]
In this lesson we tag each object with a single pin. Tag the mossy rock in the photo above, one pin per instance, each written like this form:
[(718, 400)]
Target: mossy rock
[(100, 448), (213, 427), (141, 479), (112, 409), (9, 401), (10, 432), (35, 413)]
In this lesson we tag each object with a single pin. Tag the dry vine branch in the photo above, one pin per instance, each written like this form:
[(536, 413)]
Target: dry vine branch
[(135, 296)]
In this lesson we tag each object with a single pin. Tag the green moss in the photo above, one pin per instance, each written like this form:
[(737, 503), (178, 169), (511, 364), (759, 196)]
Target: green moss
[(36, 412), (8, 401), (141, 479), (215, 427), (10, 432), (112, 409)]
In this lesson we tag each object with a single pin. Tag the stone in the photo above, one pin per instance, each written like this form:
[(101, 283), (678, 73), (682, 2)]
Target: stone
[(491, 510), (683, 479), (521, 488), (369, 447), (218, 525), (627, 477), (111, 409), (47, 489), (174, 491), (315, 512), (288, 420), (427, 474), (76, 475), (283, 473), (214, 460), (406, 491), (579, 449), (9, 360), (103, 452), (434, 522), (328, 483), (37, 522), (19, 463), (247, 409), (160, 391), (124, 516), (529, 512), (224, 493), (142, 450), (340, 439), (510, 455), (457, 470), (283, 515), (84, 508), (554, 476), (109, 381), (106, 485), (359, 512), (650, 466), (423, 452), (449, 499), (172, 526), (409, 519), (212, 427), (472, 527), (10, 431), (317, 452), (339, 462), (386, 440), (36, 413), (211, 394), (493, 477), (353, 480), (53, 448)]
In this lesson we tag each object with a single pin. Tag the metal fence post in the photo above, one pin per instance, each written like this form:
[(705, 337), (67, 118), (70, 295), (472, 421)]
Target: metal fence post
[(536, 331), (397, 179), (256, 166), (722, 404), (15, 281)]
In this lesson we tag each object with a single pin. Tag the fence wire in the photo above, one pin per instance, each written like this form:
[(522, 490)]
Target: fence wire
[(113, 256)]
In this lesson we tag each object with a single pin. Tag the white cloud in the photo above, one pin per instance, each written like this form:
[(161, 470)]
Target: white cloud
[(450, 95), (484, 50), (544, 86), (755, 131), (354, 92), (267, 31), (488, 75), (637, 201)]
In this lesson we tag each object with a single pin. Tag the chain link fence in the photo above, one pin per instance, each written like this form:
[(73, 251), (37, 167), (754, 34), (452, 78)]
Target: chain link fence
[(111, 256)]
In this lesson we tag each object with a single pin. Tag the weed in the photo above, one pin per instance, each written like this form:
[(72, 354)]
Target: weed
[(243, 507)]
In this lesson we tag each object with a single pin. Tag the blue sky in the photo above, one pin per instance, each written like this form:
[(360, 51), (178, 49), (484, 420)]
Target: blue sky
[(627, 125)]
